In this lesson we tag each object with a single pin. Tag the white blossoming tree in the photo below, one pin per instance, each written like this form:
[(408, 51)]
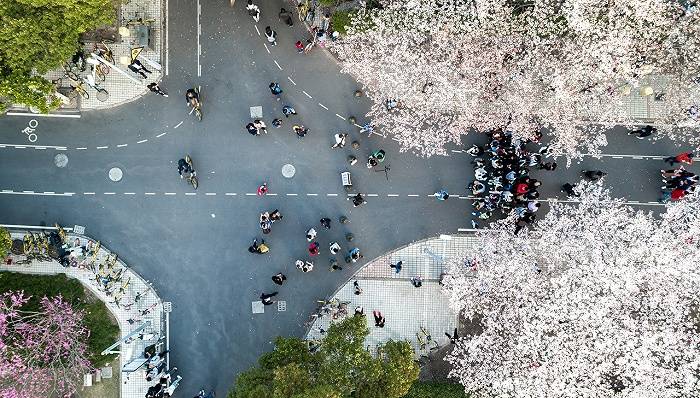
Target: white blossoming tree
[(596, 300), (457, 65)]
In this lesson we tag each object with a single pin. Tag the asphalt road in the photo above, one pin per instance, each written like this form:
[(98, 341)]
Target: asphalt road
[(193, 245)]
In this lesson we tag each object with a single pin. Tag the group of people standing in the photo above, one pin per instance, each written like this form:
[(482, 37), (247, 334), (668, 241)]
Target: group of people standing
[(678, 182), (502, 176)]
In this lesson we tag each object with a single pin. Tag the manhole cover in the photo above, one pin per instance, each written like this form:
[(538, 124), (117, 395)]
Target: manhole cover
[(115, 174), (60, 160), (288, 170), (281, 306), (258, 307), (256, 112)]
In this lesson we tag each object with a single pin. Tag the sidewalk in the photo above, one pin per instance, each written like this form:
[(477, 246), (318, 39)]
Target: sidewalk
[(124, 34), (133, 384), (405, 307)]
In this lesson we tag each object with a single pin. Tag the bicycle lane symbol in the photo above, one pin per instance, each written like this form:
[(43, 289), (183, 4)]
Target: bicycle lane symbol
[(29, 130)]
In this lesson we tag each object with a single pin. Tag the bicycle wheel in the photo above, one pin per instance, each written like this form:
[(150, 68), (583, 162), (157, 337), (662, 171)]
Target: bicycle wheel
[(194, 182), (102, 95), (71, 73), (82, 92), (199, 114)]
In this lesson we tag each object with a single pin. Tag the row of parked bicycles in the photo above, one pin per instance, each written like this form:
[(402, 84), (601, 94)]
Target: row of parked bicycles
[(77, 81)]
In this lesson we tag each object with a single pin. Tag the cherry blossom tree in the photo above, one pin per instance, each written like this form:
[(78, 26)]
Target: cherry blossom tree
[(523, 65), (596, 300), (42, 353)]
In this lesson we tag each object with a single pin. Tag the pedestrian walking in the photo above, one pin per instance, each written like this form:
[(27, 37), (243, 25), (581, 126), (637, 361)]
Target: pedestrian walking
[(397, 267), (339, 140), (253, 11), (367, 128), (417, 281), (279, 278), (271, 35), (276, 90), (288, 110), (357, 200), (260, 125), (262, 189), (441, 195), (154, 87), (137, 67), (313, 249), (379, 319), (453, 338), (276, 123), (286, 17), (334, 247), (304, 266), (299, 46), (334, 265), (300, 131), (326, 222), (275, 215), (354, 255), (549, 166), (267, 298), (593, 175), (568, 189), (358, 289), (250, 127), (645, 131), (685, 157), (310, 234)]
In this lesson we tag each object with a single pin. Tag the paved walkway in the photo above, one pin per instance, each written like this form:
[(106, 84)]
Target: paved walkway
[(120, 87), (138, 303), (405, 307)]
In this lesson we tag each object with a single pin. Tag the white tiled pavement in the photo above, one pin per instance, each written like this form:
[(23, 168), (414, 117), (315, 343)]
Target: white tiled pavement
[(133, 385), (405, 307), (120, 88)]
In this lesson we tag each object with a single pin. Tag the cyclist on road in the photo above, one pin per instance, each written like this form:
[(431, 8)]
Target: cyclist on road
[(183, 168), (192, 98)]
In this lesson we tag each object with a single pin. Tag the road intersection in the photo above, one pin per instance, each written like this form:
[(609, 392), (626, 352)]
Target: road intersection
[(192, 244)]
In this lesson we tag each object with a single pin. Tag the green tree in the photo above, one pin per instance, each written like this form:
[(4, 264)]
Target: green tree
[(5, 243), (339, 368), (40, 35)]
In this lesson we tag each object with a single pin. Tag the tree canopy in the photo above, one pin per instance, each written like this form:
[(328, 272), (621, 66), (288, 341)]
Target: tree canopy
[(339, 367), (37, 36), (599, 299), (567, 65)]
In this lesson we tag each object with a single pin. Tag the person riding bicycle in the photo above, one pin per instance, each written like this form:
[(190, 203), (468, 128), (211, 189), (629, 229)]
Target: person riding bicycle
[(192, 98), (183, 168)]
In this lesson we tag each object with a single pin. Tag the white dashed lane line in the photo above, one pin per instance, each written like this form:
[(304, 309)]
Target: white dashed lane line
[(278, 65), (162, 134), (391, 195), (141, 142), (102, 147), (290, 79), (307, 94), (322, 106), (122, 145)]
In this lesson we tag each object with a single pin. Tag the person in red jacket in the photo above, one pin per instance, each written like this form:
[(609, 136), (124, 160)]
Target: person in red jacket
[(685, 157)]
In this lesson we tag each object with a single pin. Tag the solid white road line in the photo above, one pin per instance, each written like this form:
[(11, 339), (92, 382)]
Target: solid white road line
[(21, 146), (199, 33), (65, 115), (167, 37)]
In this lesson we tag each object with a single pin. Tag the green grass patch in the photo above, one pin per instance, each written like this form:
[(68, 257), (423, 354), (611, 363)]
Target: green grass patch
[(341, 19), (436, 390), (103, 327)]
